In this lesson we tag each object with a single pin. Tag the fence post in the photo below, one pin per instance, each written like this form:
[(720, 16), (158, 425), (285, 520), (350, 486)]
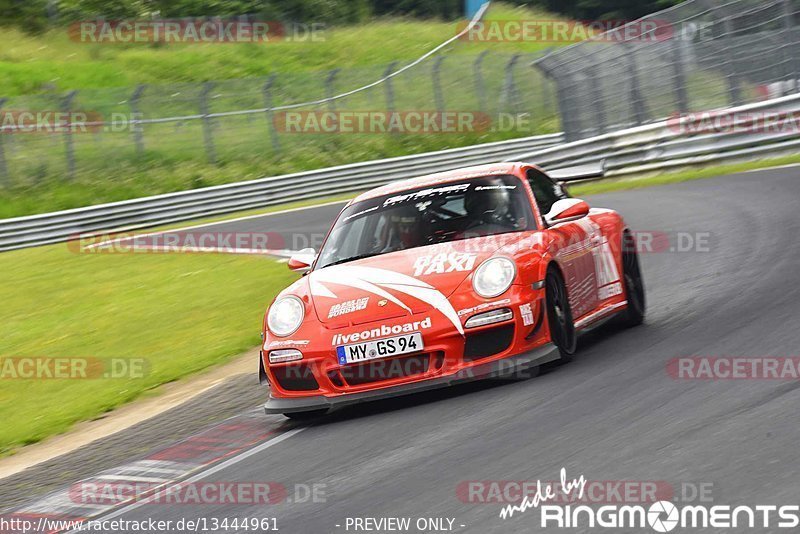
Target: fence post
[(273, 134), (545, 88), (637, 100), (732, 78), (208, 134), (789, 39), (562, 87), (679, 71), (138, 129), (389, 89), (3, 167), (438, 97), (509, 94), (66, 107), (597, 97), (480, 87), (329, 88)]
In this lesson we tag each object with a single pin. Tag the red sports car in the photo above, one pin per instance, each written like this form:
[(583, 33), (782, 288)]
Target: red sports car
[(427, 282)]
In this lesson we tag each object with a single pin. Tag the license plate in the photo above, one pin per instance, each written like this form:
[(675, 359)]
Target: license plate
[(380, 348)]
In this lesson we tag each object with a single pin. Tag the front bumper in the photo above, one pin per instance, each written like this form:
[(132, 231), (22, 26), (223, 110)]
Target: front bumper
[(493, 369)]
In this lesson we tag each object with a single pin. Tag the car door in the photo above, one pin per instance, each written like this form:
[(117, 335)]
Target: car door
[(576, 246)]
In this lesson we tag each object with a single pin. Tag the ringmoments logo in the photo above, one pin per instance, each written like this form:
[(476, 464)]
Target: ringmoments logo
[(660, 516)]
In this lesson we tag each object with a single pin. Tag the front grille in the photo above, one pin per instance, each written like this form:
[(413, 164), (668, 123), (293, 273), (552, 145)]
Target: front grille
[(488, 342), (295, 377), (386, 369)]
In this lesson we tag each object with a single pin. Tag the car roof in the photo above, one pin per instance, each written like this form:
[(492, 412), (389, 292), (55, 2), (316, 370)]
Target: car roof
[(441, 178)]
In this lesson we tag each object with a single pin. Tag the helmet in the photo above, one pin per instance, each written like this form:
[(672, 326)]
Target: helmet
[(488, 205)]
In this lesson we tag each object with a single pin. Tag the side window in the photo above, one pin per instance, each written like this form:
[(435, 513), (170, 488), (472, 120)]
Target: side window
[(545, 190)]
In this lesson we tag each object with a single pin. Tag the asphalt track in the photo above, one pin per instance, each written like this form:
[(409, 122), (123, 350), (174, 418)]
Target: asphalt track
[(613, 414)]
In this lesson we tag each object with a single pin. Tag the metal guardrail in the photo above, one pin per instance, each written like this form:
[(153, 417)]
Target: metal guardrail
[(146, 212), (654, 147), (763, 129)]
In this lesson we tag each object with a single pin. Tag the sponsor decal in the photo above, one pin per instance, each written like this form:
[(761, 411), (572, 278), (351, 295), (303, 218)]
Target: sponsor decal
[(444, 263), (287, 343), (382, 331), (348, 306), (605, 266), (609, 291), (484, 306), (444, 190), (526, 311), (379, 282)]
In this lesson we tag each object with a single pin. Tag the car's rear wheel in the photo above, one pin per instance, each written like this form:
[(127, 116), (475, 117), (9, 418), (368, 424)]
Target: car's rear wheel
[(559, 315), (305, 416), (634, 285)]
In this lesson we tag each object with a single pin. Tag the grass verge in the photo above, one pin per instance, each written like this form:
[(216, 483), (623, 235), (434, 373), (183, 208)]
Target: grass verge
[(178, 313)]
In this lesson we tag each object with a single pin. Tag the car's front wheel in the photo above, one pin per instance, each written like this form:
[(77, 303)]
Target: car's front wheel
[(634, 285), (559, 315)]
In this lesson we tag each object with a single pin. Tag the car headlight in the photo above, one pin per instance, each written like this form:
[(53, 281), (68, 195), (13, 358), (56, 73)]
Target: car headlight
[(494, 277), (285, 316)]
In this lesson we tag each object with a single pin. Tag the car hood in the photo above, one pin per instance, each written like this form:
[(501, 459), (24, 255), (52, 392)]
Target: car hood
[(399, 283)]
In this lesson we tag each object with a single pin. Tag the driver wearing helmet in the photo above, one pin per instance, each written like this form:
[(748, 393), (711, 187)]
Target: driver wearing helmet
[(404, 226), (489, 208)]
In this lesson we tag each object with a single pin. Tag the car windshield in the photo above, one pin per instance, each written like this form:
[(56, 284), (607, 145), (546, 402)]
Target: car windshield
[(488, 205)]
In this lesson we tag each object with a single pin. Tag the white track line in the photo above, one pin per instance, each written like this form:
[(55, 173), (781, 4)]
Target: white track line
[(204, 225), (206, 473)]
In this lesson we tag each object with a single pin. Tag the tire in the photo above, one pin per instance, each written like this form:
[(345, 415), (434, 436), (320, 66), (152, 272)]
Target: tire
[(634, 285), (559, 315), (305, 416)]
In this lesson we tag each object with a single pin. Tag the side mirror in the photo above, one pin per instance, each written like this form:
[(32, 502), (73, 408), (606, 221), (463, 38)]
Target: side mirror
[(302, 260), (565, 210)]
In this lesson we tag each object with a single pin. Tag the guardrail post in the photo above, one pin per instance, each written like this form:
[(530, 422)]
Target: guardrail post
[(329, 89), (69, 149), (273, 133), (389, 88), (510, 95), (789, 40), (3, 167), (138, 129), (208, 134), (480, 87), (438, 97)]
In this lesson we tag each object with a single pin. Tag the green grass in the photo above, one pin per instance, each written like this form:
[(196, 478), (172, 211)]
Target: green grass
[(180, 312), (30, 64), (685, 175), (174, 157)]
